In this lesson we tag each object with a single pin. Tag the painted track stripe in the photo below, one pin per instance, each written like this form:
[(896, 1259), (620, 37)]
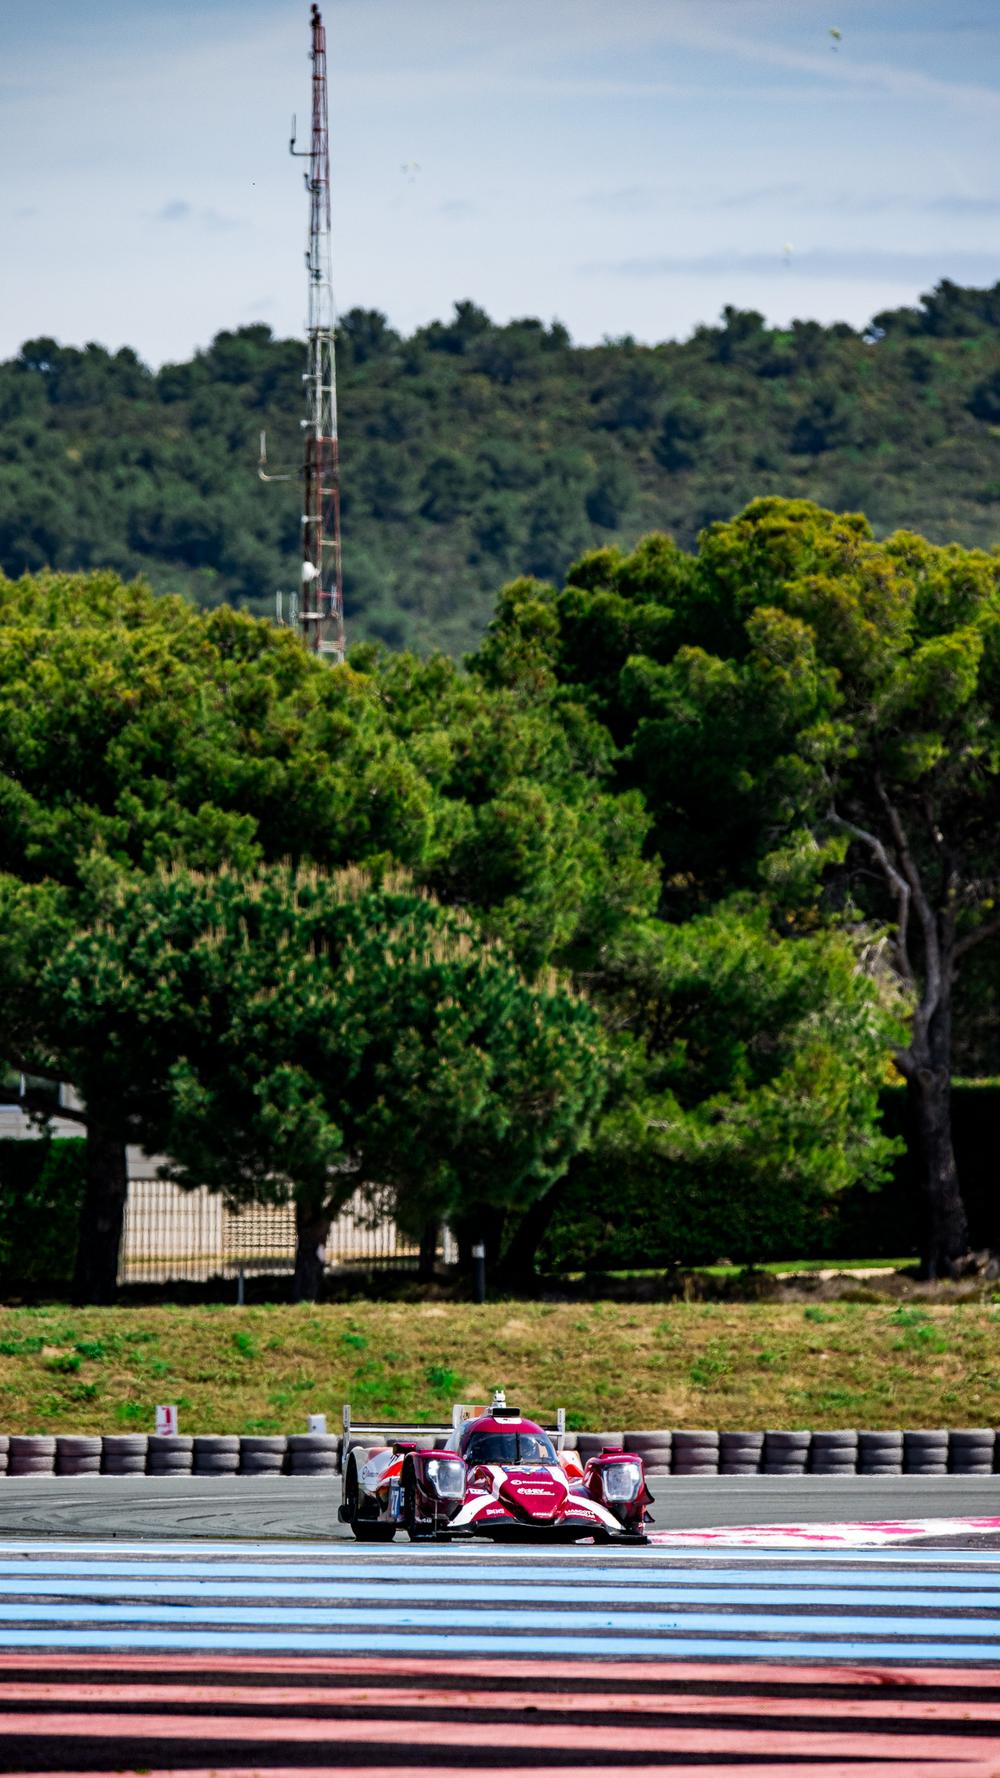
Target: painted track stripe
[(197, 1592), (500, 1671), (669, 1738), (964, 1768), (339, 1549), (406, 1574), (739, 1646), (628, 1623), (883, 1663), (873, 1708)]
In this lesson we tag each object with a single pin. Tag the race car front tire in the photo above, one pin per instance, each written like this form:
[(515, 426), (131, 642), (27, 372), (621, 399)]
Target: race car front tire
[(365, 1530), (416, 1532)]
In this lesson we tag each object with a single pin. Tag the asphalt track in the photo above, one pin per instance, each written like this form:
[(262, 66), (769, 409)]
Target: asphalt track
[(301, 1506), (229, 1627)]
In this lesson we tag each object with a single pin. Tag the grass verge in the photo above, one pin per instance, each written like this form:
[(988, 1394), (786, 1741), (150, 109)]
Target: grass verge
[(610, 1365)]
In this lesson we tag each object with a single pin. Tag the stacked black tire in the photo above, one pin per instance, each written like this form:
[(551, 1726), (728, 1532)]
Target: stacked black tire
[(695, 1453), (880, 1453), (970, 1450), (833, 1453), (313, 1453), (262, 1454), (124, 1453), (216, 1454), (786, 1453), (76, 1455), (655, 1449), (30, 1454), (740, 1453)]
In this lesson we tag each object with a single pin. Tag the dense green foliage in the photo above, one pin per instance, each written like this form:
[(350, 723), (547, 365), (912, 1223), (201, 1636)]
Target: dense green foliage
[(180, 794), (743, 1036), (813, 716), (41, 1189), (291, 1028), (473, 451), (667, 1226)]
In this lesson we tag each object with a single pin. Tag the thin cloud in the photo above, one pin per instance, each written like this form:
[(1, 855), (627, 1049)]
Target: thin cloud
[(849, 264), (179, 210), (644, 199), (845, 70)]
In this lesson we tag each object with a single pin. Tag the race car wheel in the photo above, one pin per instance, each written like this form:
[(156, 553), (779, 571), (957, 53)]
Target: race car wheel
[(413, 1531), (365, 1530)]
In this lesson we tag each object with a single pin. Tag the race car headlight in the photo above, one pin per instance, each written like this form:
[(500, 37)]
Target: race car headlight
[(621, 1481), (446, 1476)]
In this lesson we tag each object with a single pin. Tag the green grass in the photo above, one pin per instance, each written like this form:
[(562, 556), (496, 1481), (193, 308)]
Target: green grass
[(610, 1365)]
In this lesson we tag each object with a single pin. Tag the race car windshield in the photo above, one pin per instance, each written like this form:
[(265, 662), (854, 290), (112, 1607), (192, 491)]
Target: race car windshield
[(509, 1447)]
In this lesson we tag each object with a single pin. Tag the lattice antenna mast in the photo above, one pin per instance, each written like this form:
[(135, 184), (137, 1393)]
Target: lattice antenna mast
[(320, 611)]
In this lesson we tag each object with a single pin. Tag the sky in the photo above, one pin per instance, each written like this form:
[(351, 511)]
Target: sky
[(624, 167)]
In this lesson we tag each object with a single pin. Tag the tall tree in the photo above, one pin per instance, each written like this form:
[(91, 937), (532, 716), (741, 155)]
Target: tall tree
[(292, 1032), (802, 705), (138, 730)]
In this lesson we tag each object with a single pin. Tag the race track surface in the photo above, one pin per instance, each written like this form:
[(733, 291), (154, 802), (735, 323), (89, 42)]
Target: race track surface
[(300, 1506), (276, 1657)]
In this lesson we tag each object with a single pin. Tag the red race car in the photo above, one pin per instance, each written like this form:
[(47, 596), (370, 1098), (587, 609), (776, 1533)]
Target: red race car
[(497, 1475)]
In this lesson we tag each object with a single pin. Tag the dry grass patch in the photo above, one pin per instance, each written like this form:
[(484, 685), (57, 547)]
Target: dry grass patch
[(611, 1365)]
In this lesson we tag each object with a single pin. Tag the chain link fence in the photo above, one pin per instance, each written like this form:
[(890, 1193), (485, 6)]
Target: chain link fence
[(191, 1236)]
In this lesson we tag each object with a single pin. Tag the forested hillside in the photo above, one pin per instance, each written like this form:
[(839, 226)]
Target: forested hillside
[(474, 452)]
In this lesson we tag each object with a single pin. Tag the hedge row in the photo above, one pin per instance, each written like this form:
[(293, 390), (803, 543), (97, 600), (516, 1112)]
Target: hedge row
[(659, 1228), (41, 1186)]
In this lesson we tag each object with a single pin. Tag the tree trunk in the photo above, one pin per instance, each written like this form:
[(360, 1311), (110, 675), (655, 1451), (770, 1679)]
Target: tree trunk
[(520, 1259), (428, 1252), (312, 1226), (102, 1216), (946, 1240), (481, 1223)]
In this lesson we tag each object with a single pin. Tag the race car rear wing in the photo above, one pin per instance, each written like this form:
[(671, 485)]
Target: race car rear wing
[(386, 1432)]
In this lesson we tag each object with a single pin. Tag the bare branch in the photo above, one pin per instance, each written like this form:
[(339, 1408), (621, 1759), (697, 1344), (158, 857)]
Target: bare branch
[(933, 984), (897, 883), (40, 1105), (978, 936)]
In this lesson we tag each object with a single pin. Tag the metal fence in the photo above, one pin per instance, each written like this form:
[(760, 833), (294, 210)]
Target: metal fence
[(191, 1236)]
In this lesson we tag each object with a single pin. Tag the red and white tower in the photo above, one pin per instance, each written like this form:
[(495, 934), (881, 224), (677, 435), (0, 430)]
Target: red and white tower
[(320, 604)]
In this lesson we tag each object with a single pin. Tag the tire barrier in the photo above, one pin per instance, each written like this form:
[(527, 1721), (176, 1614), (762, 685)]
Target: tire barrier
[(591, 1444), (216, 1454), (970, 1450), (880, 1453), (78, 1456), (741, 1453), (786, 1453), (313, 1453), (124, 1453), (262, 1454), (30, 1455), (169, 1454), (655, 1449), (695, 1453), (925, 1453), (833, 1453), (963, 1451)]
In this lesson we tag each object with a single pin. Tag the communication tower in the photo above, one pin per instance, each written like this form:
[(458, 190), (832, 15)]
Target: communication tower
[(318, 607)]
